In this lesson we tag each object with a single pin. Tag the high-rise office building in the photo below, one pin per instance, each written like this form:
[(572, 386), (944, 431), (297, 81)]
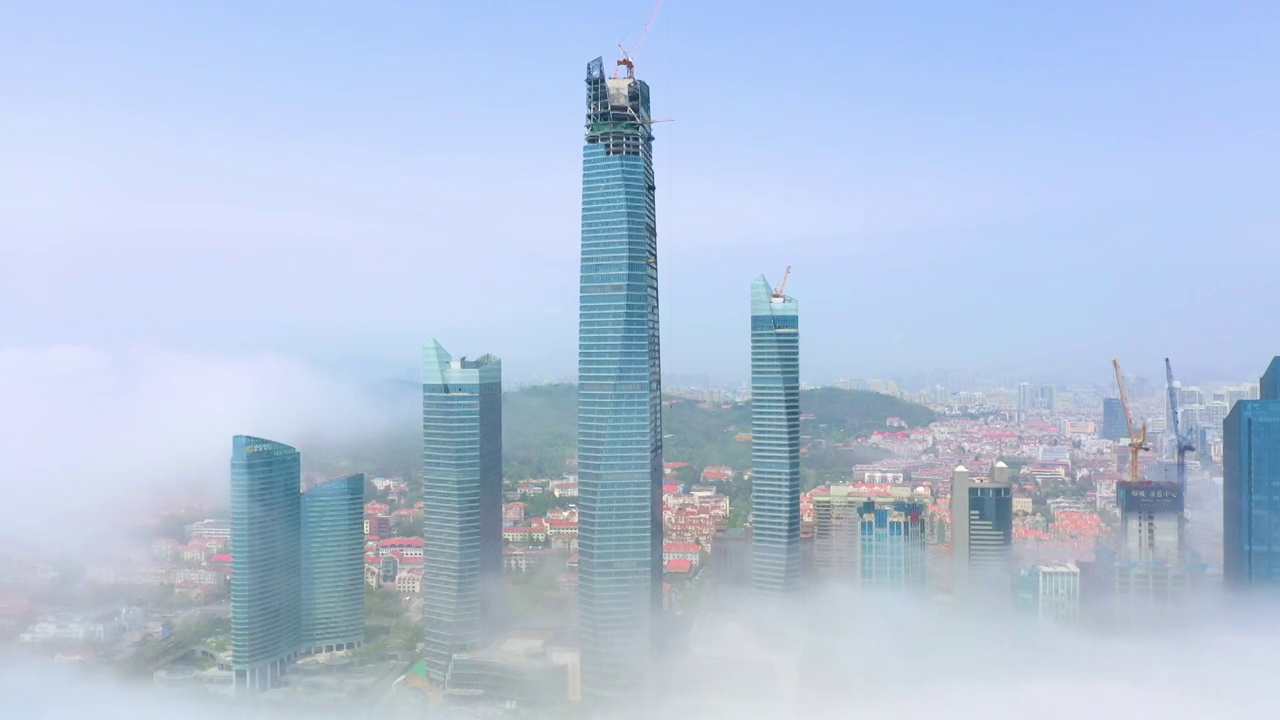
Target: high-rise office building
[(1051, 592), (462, 497), (266, 565), (775, 440), (836, 533), (1113, 423), (619, 391), (1251, 487), (333, 566), (870, 542), (892, 553), (1032, 396), (982, 531)]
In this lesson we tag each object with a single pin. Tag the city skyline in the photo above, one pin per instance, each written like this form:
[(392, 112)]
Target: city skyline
[(1012, 183)]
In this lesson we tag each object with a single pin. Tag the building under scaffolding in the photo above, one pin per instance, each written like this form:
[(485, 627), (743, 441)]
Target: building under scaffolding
[(618, 116), (1153, 571)]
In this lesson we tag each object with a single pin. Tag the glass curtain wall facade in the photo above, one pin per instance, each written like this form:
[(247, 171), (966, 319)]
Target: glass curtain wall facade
[(775, 441), (1113, 425), (333, 566), (981, 532), (462, 497), (892, 553), (619, 391), (266, 564), (1251, 493), (1269, 384)]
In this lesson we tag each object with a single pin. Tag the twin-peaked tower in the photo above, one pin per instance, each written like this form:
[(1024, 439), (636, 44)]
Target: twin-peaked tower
[(982, 531), (297, 563)]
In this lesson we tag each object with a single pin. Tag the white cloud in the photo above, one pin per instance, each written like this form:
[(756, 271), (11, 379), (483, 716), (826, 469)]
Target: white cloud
[(88, 435), (843, 655)]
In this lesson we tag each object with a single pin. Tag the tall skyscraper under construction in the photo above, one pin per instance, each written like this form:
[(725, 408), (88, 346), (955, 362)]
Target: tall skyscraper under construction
[(1153, 571), (619, 391), (462, 495), (775, 439)]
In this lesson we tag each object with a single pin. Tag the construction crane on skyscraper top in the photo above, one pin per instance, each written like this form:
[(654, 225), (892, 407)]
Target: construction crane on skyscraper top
[(1182, 443), (1137, 440), (628, 58), (780, 292)]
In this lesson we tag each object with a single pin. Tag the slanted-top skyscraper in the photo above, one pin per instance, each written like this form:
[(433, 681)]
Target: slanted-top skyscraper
[(462, 497), (775, 439), (266, 561), (1251, 488), (619, 391)]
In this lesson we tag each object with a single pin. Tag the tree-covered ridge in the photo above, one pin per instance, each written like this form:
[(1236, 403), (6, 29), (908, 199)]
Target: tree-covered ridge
[(540, 433)]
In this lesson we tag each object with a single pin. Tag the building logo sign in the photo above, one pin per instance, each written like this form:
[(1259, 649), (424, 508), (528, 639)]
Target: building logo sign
[(1149, 497)]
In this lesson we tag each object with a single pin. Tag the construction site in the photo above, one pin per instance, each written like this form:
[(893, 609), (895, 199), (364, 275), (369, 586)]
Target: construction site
[(1153, 565)]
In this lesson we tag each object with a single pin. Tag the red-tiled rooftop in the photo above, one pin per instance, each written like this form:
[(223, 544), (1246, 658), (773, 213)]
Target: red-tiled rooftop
[(679, 565), (401, 542)]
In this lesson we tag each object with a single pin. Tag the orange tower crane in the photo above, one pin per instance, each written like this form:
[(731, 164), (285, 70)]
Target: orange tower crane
[(628, 58), (1137, 440), (780, 292)]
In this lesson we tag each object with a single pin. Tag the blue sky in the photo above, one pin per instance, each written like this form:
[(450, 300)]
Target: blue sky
[(1032, 185)]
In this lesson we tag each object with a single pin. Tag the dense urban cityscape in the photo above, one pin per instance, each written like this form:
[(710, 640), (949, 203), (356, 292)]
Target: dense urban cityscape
[(550, 549)]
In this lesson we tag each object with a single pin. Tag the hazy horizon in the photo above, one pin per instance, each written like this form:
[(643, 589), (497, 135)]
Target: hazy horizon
[(980, 187)]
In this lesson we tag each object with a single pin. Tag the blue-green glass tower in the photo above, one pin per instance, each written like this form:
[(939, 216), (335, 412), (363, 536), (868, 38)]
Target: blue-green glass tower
[(266, 565), (333, 565), (892, 553), (775, 440), (619, 391), (462, 495), (1251, 488)]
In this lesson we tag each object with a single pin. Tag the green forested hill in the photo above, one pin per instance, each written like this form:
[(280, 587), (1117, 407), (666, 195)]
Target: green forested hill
[(540, 432)]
